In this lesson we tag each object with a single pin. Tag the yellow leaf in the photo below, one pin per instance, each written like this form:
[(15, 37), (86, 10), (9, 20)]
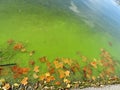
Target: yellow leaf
[(47, 74), (62, 74), (36, 69), (67, 73), (35, 76), (24, 81), (7, 86)]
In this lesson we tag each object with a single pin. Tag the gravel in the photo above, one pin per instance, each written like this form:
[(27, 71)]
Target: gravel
[(109, 87)]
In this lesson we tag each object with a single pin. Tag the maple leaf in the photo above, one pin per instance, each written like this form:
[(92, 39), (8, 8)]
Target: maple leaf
[(7, 86), (35, 76), (58, 64), (62, 74), (50, 78), (42, 77), (25, 70), (67, 73), (18, 46), (10, 41), (24, 81), (94, 64), (47, 74), (57, 83), (43, 59), (67, 61), (23, 50), (32, 62), (31, 53), (93, 78), (66, 81), (52, 70), (36, 69)]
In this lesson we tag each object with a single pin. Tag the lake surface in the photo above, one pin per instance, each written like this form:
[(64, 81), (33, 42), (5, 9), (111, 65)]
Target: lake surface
[(61, 28)]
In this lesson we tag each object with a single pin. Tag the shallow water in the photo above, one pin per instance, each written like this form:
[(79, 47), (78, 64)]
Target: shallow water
[(59, 28)]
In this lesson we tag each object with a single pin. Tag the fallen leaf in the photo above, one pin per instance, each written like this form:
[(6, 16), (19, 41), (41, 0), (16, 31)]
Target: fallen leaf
[(94, 64), (57, 83), (10, 41), (67, 73), (7, 86), (31, 53), (36, 69), (32, 62), (23, 50), (51, 70), (66, 81), (43, 59), (18, 46), (24, 81), (42, 77), (47, 74), (61, 73), (35, 76)]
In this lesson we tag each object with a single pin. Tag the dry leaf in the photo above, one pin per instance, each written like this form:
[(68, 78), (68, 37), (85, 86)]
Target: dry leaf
[(35, 76), (24, 81), (43, 59), (42, 77), (62, 74), (47, 74), (36, 69), (94, 64), (67, 73), (7, 86), (66, 81), (18, 46), (57, 83), (10, 41)]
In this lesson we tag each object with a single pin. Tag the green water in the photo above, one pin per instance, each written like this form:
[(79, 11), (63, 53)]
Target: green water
[(54, 31)]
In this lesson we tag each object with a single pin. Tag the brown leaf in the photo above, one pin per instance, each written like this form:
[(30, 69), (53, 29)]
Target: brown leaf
[(18, 46), (43, 59)]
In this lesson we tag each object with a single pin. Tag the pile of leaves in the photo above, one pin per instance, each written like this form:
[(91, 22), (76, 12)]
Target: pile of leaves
[(65, 72)]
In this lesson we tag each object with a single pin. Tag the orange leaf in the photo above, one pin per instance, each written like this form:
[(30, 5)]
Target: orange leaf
[(51, 70), (58, 64), (18, 46), (42, 77), (62, 74), (24, 81), (94, 64), (57, 83)]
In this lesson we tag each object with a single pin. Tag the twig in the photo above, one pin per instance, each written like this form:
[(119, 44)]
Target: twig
[(13, 64)]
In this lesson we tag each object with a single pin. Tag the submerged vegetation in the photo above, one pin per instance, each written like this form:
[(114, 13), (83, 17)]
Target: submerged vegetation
[(61, 73)]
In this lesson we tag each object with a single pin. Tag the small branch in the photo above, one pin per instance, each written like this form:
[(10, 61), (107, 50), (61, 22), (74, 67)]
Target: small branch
[(13, 64)]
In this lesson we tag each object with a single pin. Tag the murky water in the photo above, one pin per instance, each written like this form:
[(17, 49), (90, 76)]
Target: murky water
[(59, 28)]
